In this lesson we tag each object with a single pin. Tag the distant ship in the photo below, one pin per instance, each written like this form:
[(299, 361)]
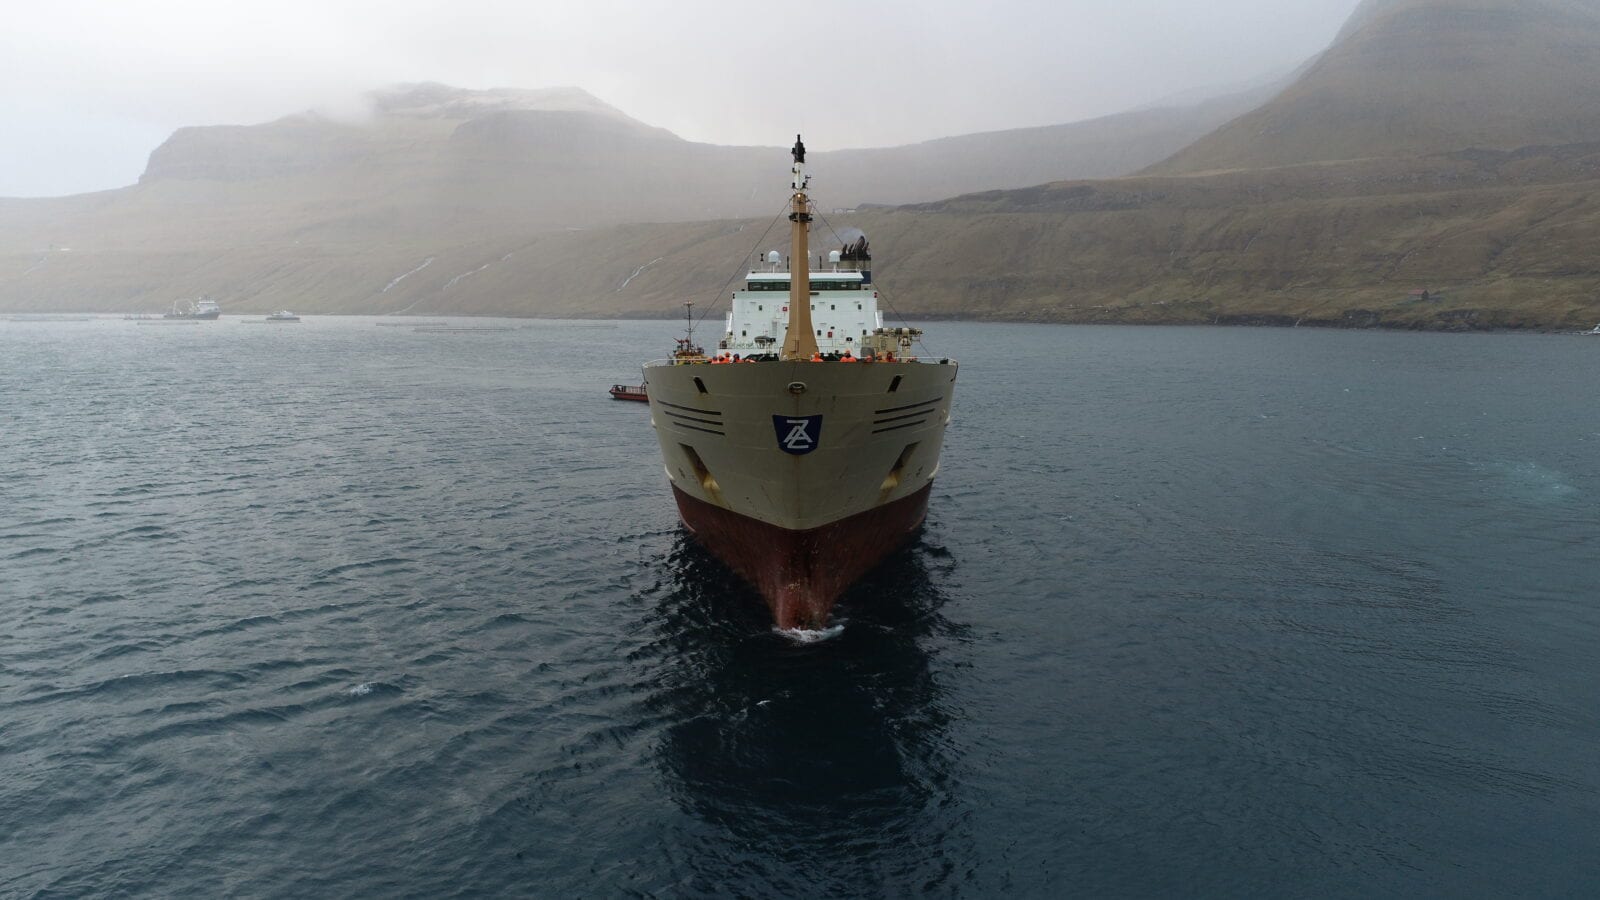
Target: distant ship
[(194, 309), (803, 450), (282, 315)]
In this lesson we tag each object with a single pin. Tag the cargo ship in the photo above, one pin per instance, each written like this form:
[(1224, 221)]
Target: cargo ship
[(802, 450)]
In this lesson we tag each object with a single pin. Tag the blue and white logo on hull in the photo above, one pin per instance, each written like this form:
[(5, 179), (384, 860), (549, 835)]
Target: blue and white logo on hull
[(798, 435)]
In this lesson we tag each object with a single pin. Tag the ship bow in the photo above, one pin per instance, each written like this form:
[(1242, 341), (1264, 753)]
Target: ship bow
[(801, 573)]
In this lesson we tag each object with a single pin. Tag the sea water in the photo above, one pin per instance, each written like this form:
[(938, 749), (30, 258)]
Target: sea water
[(331, 609)]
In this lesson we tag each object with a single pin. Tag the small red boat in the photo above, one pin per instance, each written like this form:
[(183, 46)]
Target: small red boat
[(629, 392)]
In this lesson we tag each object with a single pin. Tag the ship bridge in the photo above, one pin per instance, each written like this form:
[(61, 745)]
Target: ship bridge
[(844, 308)]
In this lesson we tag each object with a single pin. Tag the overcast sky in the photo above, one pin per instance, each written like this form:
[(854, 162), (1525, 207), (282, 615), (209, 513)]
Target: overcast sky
[(89, 87)]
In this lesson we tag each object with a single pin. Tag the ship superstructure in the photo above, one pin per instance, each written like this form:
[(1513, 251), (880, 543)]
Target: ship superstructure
[(803, 449), (843, 306)]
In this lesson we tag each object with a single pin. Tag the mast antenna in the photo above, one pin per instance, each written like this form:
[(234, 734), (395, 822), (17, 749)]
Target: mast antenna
[(798, 341), (801, 179)]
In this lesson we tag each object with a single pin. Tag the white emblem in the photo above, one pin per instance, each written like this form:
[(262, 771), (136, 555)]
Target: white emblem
[(797, 435), (797, 439)]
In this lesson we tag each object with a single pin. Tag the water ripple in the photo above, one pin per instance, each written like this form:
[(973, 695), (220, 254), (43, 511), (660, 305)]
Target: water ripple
[(354, 611)]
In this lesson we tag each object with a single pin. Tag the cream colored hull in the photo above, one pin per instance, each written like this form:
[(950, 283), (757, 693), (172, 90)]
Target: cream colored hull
[(880, 434)]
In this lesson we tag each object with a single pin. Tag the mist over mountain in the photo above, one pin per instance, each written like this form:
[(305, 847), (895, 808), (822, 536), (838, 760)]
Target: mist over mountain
[(1411, 77), (563, 158), (434, 167)]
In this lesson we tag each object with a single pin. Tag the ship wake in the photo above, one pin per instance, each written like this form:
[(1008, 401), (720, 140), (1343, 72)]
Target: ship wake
[(811, 635)]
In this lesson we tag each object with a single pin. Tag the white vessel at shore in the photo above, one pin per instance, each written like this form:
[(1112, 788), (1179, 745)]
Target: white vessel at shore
[(200, 309), (804, 449)]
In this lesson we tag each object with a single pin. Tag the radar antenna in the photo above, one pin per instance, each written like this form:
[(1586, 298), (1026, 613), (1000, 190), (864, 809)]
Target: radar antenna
[(687, 351)]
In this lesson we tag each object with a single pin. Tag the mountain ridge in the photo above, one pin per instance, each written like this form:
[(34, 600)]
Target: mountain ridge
[(414, 124)]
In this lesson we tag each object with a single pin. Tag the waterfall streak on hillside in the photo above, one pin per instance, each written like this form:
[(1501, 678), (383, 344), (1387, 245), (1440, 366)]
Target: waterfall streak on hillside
[(425, 263), (451, 283), (638, 270)]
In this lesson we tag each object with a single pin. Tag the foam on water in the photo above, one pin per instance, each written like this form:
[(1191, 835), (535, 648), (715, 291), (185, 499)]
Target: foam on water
[(1539, 482), (810, 635)]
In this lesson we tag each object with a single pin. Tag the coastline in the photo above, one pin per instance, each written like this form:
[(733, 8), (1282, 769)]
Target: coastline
[(1480, 322)]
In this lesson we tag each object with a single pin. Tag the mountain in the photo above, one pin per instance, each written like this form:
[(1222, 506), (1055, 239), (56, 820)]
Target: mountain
[(562, 158), (1412, 77), (437, 168), (568, 159)]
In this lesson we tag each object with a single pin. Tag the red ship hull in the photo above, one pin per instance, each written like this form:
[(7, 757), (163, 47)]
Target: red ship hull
[(802, 573)]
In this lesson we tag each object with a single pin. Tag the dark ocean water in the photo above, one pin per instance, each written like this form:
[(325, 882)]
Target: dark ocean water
[(343, 610)]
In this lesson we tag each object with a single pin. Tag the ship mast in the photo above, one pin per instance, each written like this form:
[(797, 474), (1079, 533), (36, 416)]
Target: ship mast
[(800, 342)]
